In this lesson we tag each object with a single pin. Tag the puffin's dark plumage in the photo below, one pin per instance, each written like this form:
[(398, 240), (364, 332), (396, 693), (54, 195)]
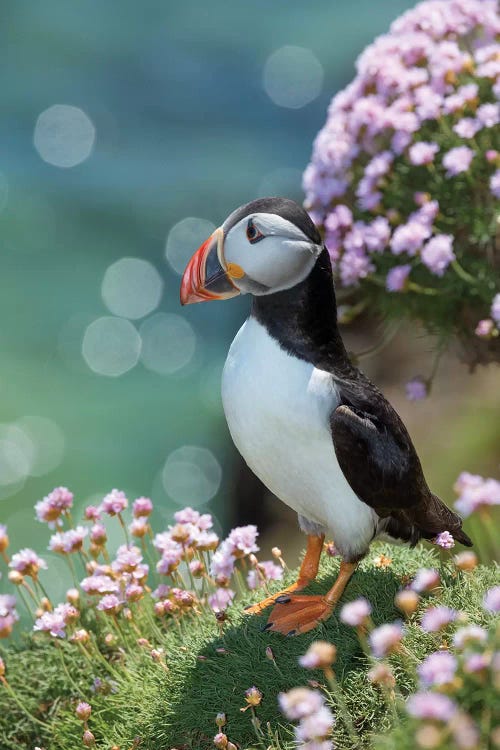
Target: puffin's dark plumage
[(373, 447)]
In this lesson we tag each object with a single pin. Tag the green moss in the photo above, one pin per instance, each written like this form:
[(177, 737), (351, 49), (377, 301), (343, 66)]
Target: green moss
[(209, 671)]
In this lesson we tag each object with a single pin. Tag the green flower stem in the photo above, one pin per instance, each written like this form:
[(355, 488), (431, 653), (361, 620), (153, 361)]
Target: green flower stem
[(65, 669), (429, 291), (42, 588), (462, 273), (26, 603), (124, 527)]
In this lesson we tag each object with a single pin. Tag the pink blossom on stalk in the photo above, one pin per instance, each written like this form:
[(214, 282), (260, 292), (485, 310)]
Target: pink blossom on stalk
[(27, 562), (127, 559), (457, 160), (66, 542), (444, 540), (110, 603), (221, 599), (437, 618), (425, 579), (427, 705), (91, 513), (463, 95), (354, 265), (416, 389), (422, 152), (113, 503), (267, 571), (300, 702), (469, 634), (484, 328), (467, 127), (437, 669), (377, 234), (316, 726), (491, 600), (476, 663), (356, 613), (139, 527), (438, 253), (99, 584), (54, 505), (142, 507), (385, 639), (491, 155), (409, 238), (53, 623), (98, 534), (242, 539), (4, 539), (476, 493), (396, 278), (489, 114)]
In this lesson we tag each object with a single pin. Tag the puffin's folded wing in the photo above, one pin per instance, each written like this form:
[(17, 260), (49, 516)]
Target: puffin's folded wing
[(380, 465)]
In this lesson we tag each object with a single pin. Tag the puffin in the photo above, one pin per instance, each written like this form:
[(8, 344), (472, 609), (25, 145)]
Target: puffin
[(314, 429)]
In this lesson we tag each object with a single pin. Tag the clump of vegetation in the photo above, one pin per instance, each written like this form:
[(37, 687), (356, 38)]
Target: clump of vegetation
[(160, 654), (404, 178)]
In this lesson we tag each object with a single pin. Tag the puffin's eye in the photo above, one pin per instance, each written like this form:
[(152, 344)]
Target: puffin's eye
[(253, 234)]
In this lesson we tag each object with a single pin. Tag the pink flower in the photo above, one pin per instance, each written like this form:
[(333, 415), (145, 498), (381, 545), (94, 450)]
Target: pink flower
[(416, 389), (437, 669), (316, 726), (98, 534), (476, 493), (438, 253), (4, 539), (495, 305), (27, 562), (491, 600), (113, 503), (54, 505), (110, 603), (396, 278), (53, 623), (242, 539), (488, 114), (267, 571), (444, 540), (495, 186), (221, 599), (142, 507), (431, 706), (385, 639), (356, 613), (485, 328), (354, 265), (470, 634), (476, 663), (409, 238), (66, 542), (377, 234), (467, 127), (91, 513), (139, 527), (437, 618), (300, 702), (425, 579), (457, 160), (99, 584), (422, 152), (127, 559)]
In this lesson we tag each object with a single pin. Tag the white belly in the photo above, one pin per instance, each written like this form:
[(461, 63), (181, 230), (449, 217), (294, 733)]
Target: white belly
[(277, 409)]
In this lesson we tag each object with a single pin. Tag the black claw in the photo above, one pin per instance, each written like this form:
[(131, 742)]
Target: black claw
[(267, 626), (283, 599), (249, 606), (291, 632)]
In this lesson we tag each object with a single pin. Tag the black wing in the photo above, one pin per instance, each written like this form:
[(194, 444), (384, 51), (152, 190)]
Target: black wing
[(378, 459)]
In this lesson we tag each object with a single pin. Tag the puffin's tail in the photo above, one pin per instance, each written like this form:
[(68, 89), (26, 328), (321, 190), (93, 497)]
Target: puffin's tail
[(436, 517)]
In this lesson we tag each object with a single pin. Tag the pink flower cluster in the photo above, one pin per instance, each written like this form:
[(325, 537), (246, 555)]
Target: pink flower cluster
[(387, 170), (8, 614), (51, 508), (316, 721), (475, 493)]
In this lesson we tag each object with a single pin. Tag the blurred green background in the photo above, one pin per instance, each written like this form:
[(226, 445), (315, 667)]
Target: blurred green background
[(171, 115)]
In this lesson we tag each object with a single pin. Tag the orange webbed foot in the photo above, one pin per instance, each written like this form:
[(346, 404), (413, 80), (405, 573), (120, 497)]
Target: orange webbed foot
[(296, 614), (256, 609)]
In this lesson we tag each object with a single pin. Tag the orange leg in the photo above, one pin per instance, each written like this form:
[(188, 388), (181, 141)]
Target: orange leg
[(308, 572), (298, 614)]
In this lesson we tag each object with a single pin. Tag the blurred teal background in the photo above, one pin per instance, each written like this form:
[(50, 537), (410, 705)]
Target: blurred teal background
[(179, 114)]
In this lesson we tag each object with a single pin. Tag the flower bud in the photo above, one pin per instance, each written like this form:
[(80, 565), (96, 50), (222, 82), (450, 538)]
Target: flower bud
[(180, 533), (276, 552), (72, 596), (110, 639), (15, 577), (253, 696), (380, 674), (156, 654), (2, 667), (407, 601), (428, 736), (220, 741), (83, 710), (319, 655), (88, 738), (466, 560), (80, 636), (4, 539), (220, 719)]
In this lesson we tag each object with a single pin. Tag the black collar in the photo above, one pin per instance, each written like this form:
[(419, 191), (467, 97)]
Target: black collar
[(303, 320)]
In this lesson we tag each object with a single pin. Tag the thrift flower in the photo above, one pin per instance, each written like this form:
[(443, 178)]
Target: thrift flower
[(253, 696), (431, 706), (110, 603), (27, 562), (265, 571), (221, 599), (457, 160), (4, 539), (66, 542), (113, 503), (385, 639), (416, 389), (356, 613), (54, 505), (319, 655), (485, 328), (83, 710), (469, 635), (466, 560), (438, 253), (437, 669), (426, 579), (491, 600), (142, 507), (495, 305), (444, 540), (300, 702), (422, 152), (436, 618), (396, 278)]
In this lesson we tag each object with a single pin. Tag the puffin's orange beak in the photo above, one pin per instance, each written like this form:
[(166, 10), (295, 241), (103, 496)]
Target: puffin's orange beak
[(206, 276)]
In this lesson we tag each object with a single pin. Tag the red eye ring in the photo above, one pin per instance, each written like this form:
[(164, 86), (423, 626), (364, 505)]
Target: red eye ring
[(253, 234)]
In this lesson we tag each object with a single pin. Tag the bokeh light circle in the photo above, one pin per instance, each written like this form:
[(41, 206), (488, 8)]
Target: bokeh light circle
[(64, 135), (16, 454), (293, 77), (111, 346), (191, 475), (168, 343), (48, 443), (131, 288), (184, 239)]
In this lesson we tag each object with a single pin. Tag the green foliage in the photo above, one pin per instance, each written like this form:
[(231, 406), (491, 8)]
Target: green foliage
[(206, 668)]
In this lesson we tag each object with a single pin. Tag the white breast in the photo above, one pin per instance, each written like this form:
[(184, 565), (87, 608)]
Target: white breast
[(277, 409)]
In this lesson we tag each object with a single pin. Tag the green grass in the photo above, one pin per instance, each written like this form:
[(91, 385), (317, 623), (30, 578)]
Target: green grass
[(209, 671)]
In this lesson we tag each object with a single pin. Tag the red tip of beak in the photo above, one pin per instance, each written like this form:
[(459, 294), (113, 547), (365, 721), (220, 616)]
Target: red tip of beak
[(193, 280)]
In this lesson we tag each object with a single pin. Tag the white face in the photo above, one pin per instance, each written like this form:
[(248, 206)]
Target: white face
[(273, 253)]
